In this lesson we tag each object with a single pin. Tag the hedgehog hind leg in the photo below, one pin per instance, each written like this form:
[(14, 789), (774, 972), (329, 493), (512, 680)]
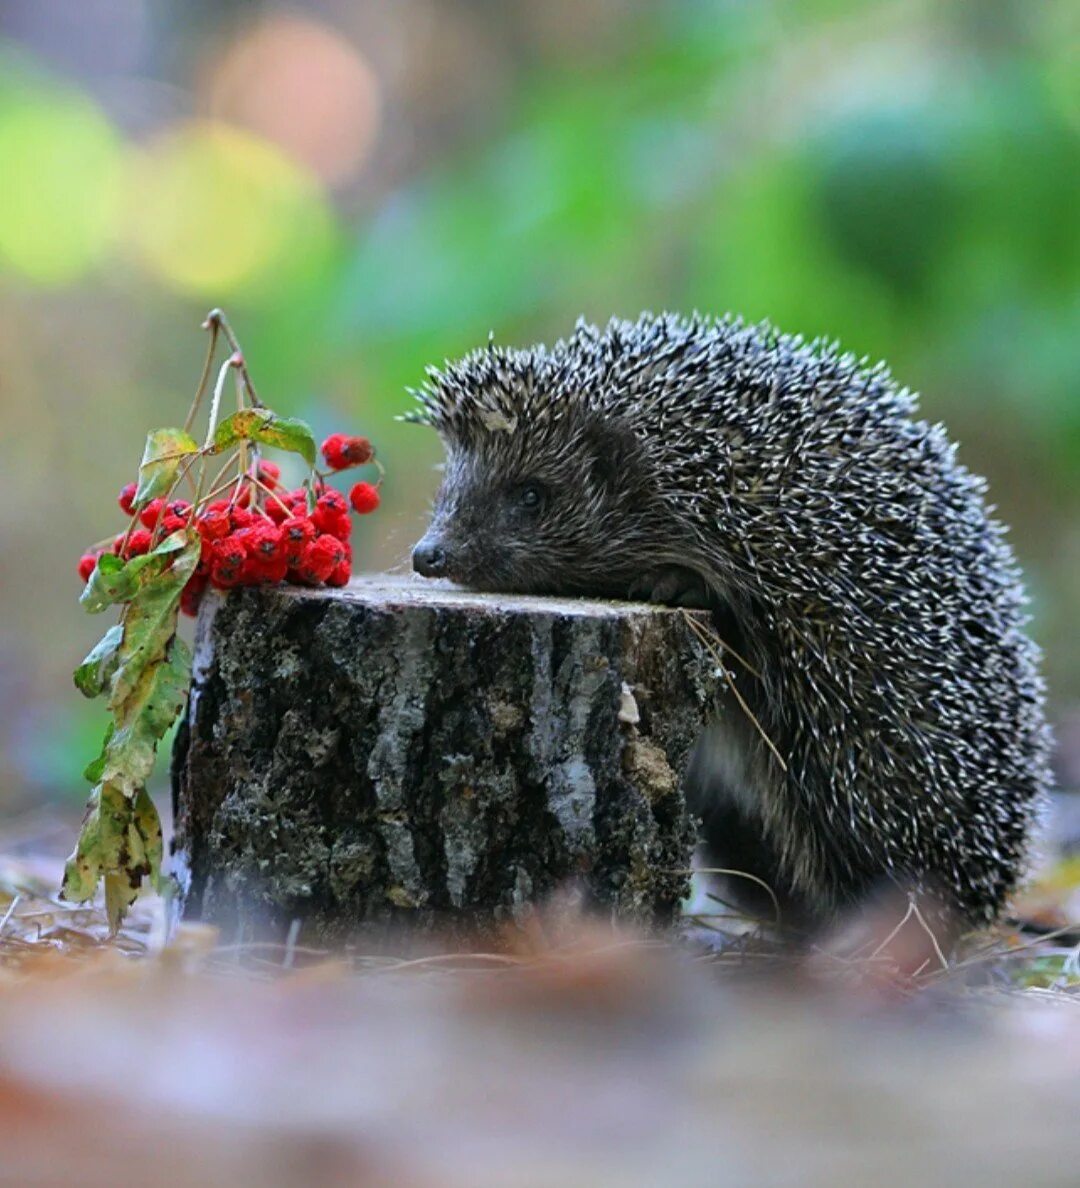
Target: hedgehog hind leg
[(720, 792)]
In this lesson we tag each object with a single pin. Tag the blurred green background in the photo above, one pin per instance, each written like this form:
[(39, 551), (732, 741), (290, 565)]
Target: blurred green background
[(368, 187)]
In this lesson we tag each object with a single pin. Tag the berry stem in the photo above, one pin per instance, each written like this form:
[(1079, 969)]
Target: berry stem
[(217, 319), (215, 403), (200, 391), (252, 478), (215, 489)]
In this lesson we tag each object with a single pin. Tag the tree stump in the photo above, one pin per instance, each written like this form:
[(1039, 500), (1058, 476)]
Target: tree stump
[(404, 753)]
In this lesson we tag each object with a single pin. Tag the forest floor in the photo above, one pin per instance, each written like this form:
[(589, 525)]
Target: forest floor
[(572, 1053)]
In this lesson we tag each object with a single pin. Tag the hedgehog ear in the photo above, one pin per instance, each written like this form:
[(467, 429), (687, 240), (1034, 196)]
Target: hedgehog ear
[(612, 448)]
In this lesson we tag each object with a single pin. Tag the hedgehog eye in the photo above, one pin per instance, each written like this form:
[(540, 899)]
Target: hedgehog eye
[(530, 496)]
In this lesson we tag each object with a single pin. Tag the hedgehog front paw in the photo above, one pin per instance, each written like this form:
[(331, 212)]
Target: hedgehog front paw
[(672, 585)]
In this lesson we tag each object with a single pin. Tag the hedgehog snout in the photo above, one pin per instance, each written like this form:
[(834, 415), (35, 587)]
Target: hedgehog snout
[(429, 558)]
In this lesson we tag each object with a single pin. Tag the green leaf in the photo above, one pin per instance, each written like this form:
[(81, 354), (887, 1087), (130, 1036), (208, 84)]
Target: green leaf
[(95, 767), (165, 449), (150, 707), (108, 584), (116, 580), (266, 427), (95, 672)]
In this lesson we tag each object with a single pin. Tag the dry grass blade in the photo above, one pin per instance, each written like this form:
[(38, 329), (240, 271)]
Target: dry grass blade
[(713, 644)]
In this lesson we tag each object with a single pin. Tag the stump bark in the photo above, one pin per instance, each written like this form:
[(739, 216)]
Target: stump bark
[(400, 753)]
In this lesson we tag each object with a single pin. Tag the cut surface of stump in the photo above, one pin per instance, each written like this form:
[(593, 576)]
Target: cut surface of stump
[(402, 753)]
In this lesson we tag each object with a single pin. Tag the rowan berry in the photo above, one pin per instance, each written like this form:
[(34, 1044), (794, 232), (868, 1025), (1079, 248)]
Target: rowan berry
[(321, 558), (138, 543), (148, 517), (228, 554), (329, 509), (214, 523), (87, 565), (340, 574), (191, 595), (277, 511), (268, 569), (296, 532), (126, 499), (341, 451), (269, 474), (206, 557), (264, 541), (364, 498), (338, 526), (240, 517)]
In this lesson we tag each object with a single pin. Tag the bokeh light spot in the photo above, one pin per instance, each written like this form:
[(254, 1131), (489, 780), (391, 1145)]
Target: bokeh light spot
[(60, 170), (218, 212), (304, 87)]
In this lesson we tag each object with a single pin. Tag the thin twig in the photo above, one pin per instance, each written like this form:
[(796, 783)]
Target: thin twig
[(215, 403), (752, 878), (705, 632), (217, 318), (200, 391)]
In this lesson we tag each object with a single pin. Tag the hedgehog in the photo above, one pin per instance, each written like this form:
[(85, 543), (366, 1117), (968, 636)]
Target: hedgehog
[(890, 726)]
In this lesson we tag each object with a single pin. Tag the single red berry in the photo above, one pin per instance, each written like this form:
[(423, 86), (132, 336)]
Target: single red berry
[(138, 543), (225, 577), (87, 565), (177, 507), (364, 498), (269, 569), (320, 558), (298, 501), (214, 524), (269, 473), (148, 517), (296, 532), (229, 552), (192, 594), (333, 449), (340, 574), (126, 499), (329, 508), (171, 524), (240, 517), (332, 501), (206, 557), (277, 511), (264, 541)]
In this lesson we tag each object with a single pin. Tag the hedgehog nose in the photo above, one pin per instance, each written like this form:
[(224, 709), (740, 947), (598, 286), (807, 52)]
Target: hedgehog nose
[(429, 559)]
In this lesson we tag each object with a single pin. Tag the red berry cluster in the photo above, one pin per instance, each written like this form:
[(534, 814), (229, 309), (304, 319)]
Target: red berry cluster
[(263, 533)]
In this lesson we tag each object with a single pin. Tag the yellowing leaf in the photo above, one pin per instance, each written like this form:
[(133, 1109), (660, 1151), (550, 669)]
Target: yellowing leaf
[(165, 448), (146, 669), (267, 428)]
